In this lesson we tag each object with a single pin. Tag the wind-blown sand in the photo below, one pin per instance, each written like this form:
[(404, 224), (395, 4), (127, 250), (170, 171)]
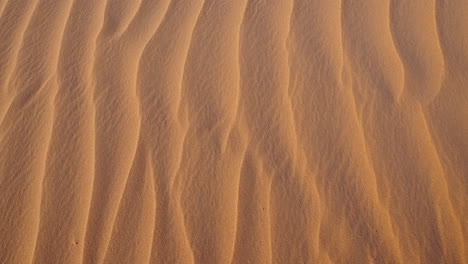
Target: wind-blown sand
[(223, 131)]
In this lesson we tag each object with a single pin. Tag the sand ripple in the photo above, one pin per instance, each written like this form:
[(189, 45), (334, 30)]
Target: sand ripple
[(296, 131)]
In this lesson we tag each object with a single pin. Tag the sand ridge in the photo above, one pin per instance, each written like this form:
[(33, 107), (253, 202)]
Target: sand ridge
[(171, 131)]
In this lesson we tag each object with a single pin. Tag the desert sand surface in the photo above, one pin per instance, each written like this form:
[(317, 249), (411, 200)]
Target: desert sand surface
[(233, 131)]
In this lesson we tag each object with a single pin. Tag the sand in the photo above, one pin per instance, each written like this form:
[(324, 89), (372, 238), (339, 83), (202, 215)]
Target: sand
[(233, 131)]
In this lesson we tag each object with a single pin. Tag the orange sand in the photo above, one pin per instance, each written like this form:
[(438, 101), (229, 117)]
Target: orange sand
[(233, 131)]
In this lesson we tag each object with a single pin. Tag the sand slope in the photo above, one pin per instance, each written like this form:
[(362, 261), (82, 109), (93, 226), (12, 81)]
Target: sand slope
[(222, 131)]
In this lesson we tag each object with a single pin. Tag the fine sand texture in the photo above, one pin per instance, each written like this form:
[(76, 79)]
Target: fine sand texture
[(233, 131)]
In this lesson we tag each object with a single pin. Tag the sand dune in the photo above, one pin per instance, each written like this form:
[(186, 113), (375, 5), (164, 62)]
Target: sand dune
[(170, 131)]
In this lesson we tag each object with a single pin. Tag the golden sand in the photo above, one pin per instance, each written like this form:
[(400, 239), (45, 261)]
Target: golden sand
[(233, 131)]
